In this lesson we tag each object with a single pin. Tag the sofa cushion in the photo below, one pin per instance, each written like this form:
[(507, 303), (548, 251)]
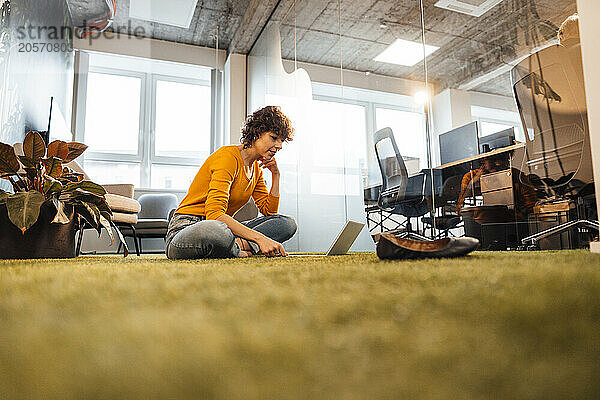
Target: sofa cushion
[(125, 218), (122, 204), (123, 189)]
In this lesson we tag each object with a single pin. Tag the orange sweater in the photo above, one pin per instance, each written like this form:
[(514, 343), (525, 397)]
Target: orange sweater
[(222, 187)]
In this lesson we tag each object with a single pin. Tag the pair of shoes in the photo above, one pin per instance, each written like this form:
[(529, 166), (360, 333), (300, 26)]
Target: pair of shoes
[(391, 247)]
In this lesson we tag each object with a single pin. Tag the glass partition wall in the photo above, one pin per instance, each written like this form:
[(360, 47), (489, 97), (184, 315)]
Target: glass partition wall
[(509, 132), (316, 60), (438, 75)]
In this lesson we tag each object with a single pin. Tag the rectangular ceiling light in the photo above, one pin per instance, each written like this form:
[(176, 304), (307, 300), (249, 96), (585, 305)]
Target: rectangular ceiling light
[(475, 8), (404, 52), (173, 12)]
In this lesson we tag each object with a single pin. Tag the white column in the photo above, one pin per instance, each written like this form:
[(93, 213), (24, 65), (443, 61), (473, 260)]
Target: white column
[(450, 109), (82, 65), (589, 12), (235, 96)]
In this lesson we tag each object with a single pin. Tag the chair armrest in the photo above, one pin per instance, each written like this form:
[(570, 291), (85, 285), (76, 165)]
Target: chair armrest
[(123, 204), (122, 189)]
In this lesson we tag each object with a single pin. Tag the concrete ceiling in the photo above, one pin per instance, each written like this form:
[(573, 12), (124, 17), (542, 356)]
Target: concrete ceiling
[(228, 15), (470, 47)]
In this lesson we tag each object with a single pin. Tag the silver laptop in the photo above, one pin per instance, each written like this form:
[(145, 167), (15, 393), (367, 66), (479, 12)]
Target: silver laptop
[(342, 242)]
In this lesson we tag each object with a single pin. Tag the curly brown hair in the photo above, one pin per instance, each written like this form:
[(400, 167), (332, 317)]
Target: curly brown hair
[(267, 119)]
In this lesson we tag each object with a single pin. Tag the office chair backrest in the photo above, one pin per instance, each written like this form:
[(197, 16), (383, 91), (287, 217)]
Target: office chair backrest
[(157, 205), (451, 189), (393, 170), (550, 97)]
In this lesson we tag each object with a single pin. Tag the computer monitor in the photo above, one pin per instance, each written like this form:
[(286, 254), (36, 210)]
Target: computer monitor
[(459, 143), (497, 140)]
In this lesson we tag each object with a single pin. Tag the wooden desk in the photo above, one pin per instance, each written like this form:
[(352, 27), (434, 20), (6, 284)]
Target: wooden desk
[(459, 168), (481, 156)]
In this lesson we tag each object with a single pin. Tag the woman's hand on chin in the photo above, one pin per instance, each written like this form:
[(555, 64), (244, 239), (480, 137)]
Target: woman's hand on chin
[(270, 164)]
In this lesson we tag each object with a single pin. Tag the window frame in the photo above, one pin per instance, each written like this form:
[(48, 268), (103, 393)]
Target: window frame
[(106, 156), (478, 112), (498, 122), (146, 151), (370, 117), (364, 104), (170, 160)]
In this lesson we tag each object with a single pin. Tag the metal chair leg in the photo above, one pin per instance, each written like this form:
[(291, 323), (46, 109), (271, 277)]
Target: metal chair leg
[(135, 240), (558, 229), (79, 240)]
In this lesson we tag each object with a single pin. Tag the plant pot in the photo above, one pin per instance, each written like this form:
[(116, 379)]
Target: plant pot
[(42, 240)]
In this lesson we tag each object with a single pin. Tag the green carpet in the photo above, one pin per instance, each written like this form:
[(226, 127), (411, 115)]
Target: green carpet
[(491, 325)]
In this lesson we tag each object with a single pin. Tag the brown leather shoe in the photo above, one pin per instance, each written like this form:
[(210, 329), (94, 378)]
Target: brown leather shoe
[(391, 247)]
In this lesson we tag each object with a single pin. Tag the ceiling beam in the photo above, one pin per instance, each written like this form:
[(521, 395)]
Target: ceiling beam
[(255, 18)]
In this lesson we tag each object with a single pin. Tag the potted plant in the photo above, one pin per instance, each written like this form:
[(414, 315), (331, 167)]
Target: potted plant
[(50, 201)]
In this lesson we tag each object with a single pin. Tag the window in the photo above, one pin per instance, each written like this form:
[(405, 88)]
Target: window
[(112, 113), (363, 113), (182, 119), (488, 128), (337, 153), (409, 133), (146, 122), (495, 120)]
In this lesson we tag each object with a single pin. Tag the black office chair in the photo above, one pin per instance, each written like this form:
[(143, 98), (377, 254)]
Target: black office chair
[(400, 194), (446, 202), (548, 88)]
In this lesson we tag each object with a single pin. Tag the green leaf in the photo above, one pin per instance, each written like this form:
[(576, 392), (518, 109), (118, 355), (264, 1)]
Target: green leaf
[(31, 173), (71, 177), (87, 186), (9, 163), (53, 166), (24, 208), (27, 162), (51, 186), (81, 195), (61, 216), (106, 224), (105, 208), (75, 150), (122, 239), (107, 215), (34, 146), (3, 196), (84, 213), (90, 213), (58, 149)]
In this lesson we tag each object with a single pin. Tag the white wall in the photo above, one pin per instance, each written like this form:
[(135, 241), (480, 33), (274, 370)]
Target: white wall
[(589, 10), (154, 49), (495, 101), (357, 79), (449, 109), (235, 96)]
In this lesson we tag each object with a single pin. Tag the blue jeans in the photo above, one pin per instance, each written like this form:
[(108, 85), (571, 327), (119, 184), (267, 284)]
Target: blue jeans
[(191, 236)]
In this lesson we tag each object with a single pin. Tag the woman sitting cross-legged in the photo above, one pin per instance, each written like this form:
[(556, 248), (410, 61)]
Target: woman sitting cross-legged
[(203, 226)]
